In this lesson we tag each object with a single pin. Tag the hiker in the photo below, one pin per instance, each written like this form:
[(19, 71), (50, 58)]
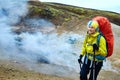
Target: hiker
[(90, 47)]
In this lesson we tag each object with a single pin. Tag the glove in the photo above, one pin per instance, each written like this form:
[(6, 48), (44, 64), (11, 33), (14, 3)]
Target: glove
[(95, 47), (80, 59)]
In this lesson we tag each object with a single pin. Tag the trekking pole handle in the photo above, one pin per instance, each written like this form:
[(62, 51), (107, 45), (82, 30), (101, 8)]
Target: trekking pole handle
[(95, 47)]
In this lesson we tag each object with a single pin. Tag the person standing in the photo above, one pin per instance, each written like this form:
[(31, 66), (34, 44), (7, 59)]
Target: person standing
[(93, 53)]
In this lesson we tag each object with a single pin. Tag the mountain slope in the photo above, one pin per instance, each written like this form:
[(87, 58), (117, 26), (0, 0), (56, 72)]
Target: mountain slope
[(66, 17)]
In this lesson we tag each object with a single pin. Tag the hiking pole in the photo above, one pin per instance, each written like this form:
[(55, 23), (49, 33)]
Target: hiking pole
[(94, 65), (95, 47), (80, 61), (80, 65)]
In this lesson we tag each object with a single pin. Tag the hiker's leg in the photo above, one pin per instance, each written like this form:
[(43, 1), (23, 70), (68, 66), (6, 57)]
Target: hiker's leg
[(84, 72), (85, 69), (98, 67)]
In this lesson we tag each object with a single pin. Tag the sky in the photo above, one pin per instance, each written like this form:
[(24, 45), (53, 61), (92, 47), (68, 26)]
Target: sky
[(108, 5)]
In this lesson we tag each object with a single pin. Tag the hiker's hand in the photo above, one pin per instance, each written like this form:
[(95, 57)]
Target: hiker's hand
[(95, 47), (80, 59)]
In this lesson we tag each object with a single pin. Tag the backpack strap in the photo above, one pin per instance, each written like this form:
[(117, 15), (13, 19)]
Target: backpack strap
[(98, 39)]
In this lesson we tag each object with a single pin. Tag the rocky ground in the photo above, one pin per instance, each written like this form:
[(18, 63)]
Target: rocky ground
[(14, 71)]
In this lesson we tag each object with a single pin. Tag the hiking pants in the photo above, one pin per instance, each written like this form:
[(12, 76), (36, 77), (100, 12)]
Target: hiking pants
[(87, 68)]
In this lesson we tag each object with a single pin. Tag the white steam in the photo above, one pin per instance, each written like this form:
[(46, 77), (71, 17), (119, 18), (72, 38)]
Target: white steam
[(10, 13), (51, 48), (34, 47)]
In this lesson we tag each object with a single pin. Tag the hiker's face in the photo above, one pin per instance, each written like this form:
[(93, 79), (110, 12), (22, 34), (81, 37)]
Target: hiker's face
[(91, 30)]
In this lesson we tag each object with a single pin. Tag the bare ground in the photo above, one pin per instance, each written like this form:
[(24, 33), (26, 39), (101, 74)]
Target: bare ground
[(12, 72)]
